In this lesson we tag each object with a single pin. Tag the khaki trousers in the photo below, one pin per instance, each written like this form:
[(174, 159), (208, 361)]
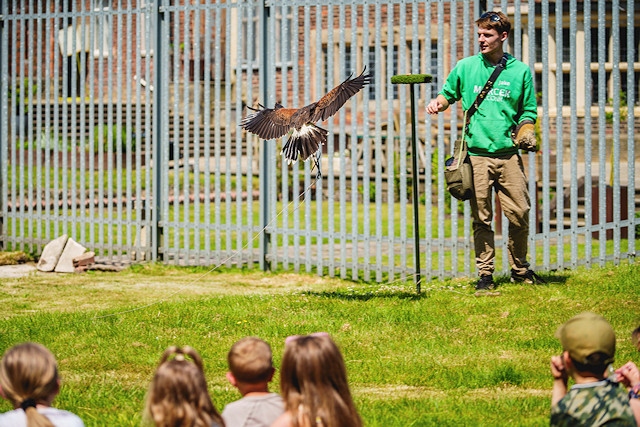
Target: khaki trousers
[(506, 175)]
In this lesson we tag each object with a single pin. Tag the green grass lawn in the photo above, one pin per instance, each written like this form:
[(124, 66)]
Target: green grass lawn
[(444, 357)]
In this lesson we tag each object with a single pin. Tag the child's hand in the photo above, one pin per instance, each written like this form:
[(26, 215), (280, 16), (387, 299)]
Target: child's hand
[(558, 370), (628, 374)]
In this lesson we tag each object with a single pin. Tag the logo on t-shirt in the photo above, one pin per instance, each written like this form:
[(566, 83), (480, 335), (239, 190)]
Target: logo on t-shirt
[(496, 94)]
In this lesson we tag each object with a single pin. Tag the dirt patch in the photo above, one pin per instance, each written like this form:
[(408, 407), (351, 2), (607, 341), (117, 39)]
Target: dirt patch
[(103, 291), (17, 271)]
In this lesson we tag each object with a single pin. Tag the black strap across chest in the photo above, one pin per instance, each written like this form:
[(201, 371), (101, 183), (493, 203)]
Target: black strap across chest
[(487, 87)]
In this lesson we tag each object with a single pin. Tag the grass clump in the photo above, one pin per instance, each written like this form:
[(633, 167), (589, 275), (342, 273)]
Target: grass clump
[(14, 258)]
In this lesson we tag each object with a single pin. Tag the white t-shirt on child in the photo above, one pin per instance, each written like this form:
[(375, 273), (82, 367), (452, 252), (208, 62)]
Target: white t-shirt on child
[(58, 417)]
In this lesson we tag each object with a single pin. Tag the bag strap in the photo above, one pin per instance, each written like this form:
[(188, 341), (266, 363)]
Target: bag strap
[(463, 144), (487, 87)]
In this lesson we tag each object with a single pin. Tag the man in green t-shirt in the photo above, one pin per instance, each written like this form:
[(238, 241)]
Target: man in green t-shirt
[(495, 160)]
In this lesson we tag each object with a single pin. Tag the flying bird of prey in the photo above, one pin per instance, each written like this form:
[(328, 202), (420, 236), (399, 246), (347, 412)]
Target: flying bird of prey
[(306, 138)]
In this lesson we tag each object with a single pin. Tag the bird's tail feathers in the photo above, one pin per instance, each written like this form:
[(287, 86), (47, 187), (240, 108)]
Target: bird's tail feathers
[(303, 143)]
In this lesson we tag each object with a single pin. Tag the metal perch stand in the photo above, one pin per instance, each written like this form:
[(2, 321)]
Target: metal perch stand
[(412, 80)]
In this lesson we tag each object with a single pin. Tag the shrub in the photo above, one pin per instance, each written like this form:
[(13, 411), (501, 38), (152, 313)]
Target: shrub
[(111, 138)]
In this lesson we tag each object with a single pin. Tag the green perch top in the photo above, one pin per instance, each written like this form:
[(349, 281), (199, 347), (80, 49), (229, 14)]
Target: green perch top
[(409, 79)]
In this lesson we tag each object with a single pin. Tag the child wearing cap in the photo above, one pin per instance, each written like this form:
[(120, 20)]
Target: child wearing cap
[(588, 344), (250, 371)]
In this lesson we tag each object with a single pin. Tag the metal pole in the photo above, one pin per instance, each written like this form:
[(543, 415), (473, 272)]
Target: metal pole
[(158, 113), (412, 80), (414, 172), (267, 157), (4, 114)]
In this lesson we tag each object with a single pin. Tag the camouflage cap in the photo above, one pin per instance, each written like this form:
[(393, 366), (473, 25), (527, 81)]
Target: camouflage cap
[(585, 334)]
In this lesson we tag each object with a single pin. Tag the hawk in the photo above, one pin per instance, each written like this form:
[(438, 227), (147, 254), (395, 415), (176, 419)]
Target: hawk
[(306, 138)]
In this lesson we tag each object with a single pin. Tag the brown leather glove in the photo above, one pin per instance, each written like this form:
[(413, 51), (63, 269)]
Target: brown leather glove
[(524, 136)]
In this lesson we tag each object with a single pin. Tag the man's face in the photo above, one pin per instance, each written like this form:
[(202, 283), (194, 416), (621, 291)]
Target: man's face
[(490, 41)]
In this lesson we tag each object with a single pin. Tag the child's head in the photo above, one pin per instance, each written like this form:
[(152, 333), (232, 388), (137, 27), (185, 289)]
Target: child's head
[(313, 382), (178, 393), (29, 376), (590, 341), (250, 361), (635, 337)]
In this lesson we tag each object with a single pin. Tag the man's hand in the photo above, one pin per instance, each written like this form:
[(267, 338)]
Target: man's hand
[(525, 136), (438, 104)]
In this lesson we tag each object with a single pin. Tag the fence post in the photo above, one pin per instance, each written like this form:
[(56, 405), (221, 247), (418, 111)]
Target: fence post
[(267, 147), (4, 114), (157, 140)]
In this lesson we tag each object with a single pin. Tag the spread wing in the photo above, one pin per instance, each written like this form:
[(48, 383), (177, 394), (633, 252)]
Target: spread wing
[(329, 104), (268, 123)]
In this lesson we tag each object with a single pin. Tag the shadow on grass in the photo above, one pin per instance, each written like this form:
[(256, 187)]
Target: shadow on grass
[(349, 295), (549, 278)]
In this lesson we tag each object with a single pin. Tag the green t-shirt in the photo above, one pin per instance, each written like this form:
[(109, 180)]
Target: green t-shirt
[(510, 101), (594, 404)]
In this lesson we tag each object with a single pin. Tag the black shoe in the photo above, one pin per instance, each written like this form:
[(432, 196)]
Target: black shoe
[(529, 277), (485, 283)]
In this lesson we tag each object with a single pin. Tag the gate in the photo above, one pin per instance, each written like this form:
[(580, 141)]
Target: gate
[(119, 127)]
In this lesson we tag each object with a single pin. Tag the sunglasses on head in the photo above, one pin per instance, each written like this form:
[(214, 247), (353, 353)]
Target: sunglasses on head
[(493, 17)]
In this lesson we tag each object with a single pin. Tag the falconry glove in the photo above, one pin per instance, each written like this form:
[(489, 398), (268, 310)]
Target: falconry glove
[(524, 136)]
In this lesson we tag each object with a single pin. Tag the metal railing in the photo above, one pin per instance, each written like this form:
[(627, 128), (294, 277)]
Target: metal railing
[(119, 128)]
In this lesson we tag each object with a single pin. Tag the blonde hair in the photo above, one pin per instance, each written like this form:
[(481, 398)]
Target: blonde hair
[(313, 383), (178, 394), (28, 376), (250, 360)]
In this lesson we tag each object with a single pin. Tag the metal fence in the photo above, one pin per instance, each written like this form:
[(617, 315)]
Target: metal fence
[(119, 127)]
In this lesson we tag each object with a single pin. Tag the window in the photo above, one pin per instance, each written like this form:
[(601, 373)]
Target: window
[(566, 45), (596, 87), (433, 69), (250, 40), (347, 60), (251, 36), (624, 49), (284, 36), (145, 41), (538, 43), (623, 85), (394, 71), (595, 42), (537, 84), (566, 89), (370, 62), (101, 28)]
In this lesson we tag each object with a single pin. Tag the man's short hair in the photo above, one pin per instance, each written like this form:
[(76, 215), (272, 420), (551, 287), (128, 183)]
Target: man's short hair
[(250, 360), (494, 21)]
